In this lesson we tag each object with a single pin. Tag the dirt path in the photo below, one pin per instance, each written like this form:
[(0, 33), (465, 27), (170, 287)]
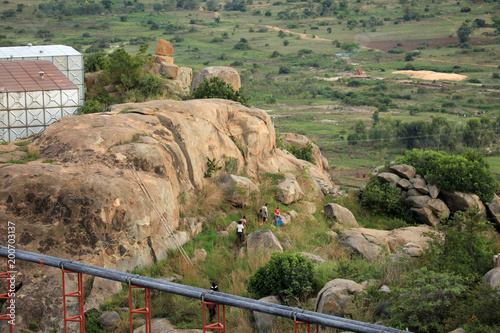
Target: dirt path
[(430, 75), (304, 36)]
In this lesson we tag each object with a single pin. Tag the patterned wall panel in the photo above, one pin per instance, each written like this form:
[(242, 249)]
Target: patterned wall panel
[(52, 98), (18, 133), (61, 62), (4, 134), (17, 118), (52, 115), (75, 62), (76, 77), (34, 99), (69, 97), (69, 111), (35, 117), (16, 100), (3, 101), (4, 119), (35, 130)]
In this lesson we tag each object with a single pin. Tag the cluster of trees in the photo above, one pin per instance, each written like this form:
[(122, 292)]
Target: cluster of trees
[(440, 133)]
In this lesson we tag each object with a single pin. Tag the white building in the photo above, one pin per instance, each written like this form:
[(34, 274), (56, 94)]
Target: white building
[(33, 94), (29, 102)]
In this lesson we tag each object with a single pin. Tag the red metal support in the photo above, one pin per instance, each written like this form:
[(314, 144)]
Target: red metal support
[(80, 318), (6, 296), (298, 322), (219, 325), (146, 310)]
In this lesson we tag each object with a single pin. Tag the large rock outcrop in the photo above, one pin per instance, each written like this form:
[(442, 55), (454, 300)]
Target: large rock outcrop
[(86, 204), (369, 242), (227, 74), (333, 298)]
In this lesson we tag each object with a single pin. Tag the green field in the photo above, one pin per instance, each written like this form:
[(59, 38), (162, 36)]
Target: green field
[(292, 73)]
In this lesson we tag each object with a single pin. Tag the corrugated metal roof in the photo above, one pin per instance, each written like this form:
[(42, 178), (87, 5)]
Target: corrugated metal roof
[(36, 51), (24, 76)]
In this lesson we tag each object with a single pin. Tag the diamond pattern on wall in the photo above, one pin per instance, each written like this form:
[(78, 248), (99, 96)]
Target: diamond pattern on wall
[(61, 62), (35, 117), (76, 77), (34, 99), (52, 98), (4, 134), (18, 133), (69, 97), (75, 63), (69, 111), (52, 115), (4, 119), (17, 118), (17, 100), (35, 130)]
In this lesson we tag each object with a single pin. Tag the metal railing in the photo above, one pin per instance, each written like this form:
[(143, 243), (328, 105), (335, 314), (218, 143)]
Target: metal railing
[(204, 295)]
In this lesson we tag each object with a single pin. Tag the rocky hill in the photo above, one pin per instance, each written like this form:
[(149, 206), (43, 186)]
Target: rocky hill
[(81, 201)]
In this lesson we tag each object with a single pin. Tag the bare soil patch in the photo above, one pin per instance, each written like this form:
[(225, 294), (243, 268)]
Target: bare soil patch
[(430, 75)]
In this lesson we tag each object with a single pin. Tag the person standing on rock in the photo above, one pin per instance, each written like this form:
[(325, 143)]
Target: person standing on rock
[(239, 232), (263, 215)]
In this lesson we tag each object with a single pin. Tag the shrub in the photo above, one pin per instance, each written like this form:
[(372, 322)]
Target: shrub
[(285, 275), (242, 45), (425, 300), (383, 198), (91, 106), (304, 153), (217, 88), (94, 62), (467, 173), (150, 85)]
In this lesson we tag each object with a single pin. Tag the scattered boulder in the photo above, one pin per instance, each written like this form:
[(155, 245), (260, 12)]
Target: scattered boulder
[(368, 242), (403, 171), (333, 298), (385, 289), (238, 189), (227, 74), (420, 185), (263, 240), (387, 177), (433, 191), (265, 322), (199, 255), (493, 278), (340, 214), (493, 209), (315, 259), (459, 330), (309, 207), (109, 320), (289, 190), (102, 290), (286, 244), (460, 201), (159, 325)]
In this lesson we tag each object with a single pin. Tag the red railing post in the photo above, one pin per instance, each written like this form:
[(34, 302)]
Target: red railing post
[(219, 325), (6, 297), (298, 322), (146, 310), (78, 294)]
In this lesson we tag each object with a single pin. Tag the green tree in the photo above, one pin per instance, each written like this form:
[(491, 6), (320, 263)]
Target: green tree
[(242, 45), (285, 275), (217, 88), (464, 32)]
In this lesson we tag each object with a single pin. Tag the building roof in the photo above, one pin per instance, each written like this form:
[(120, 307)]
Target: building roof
[(24, 75), (36, 51)]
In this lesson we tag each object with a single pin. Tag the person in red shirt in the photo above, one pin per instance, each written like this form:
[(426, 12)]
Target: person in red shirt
[(277, 214)]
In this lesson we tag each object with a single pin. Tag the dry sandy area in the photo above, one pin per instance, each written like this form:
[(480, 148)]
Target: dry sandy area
[(430, 75)]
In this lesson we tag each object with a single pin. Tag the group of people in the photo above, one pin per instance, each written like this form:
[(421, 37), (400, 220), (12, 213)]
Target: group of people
[(263, 214)]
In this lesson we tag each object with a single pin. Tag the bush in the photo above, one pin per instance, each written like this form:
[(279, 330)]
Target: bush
[(94, 62), (425, 300), (466, 173), (217, 88), (285, 275), (91, 106), (150, 85), (384, 199), (304, 153)]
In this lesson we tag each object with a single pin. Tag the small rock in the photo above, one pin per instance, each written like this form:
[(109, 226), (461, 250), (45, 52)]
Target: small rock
[(109, 320)]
